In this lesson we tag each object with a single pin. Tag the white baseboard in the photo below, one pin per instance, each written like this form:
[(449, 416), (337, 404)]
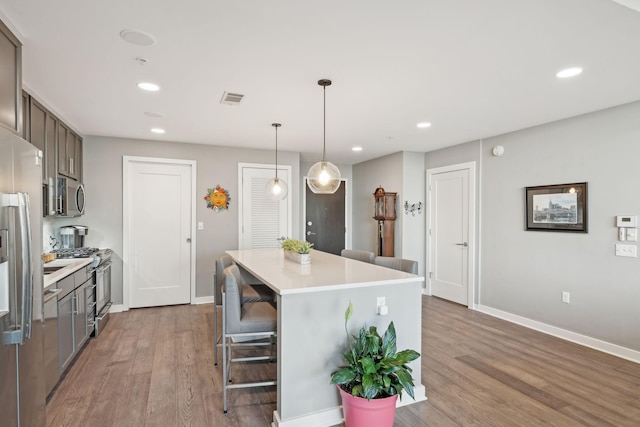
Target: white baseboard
[(203, 300), (118, 308), (326, 418), (596, 344), (333, 416)]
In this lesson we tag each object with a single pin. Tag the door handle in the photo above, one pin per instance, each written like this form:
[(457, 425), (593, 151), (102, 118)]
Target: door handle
[(465, 244), (188, 239), (310, 233)]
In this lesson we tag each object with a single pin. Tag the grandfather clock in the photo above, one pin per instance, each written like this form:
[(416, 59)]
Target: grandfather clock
[(385, 214)]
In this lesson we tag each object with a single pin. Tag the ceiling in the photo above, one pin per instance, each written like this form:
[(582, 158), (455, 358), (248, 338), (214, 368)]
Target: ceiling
[(472, 68)]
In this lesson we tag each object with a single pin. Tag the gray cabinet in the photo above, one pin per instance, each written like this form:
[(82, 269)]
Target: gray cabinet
[(51, 360), (10, 81), (61, 148), (73, 318), (65, 325), (69, 153)]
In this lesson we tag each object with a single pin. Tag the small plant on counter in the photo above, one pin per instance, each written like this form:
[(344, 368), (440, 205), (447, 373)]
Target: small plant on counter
[(297, 246)]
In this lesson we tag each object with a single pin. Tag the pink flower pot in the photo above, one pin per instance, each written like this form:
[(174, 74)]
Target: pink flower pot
[(360, 412)]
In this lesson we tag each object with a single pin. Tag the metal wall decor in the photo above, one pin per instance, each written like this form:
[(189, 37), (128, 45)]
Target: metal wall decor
[(412, 207), (217, 199)]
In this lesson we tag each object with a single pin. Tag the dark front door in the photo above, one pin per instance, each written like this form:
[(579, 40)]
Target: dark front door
[(324, 225)]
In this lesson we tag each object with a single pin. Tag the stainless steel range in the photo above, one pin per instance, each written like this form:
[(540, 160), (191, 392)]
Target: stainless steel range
[(101, 266)]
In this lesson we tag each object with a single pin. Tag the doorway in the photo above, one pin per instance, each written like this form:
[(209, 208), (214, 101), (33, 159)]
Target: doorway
[(450, 232), (264, 223), (325, 219), (158, 231)]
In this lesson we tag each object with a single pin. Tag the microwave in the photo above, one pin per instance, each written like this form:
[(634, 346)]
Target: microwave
[(71, 199)]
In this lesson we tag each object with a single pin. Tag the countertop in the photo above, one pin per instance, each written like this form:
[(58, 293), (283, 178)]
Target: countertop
[(326, 271), (68, 266)]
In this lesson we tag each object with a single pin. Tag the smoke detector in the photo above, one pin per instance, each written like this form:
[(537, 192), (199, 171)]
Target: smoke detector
[(231, 98)]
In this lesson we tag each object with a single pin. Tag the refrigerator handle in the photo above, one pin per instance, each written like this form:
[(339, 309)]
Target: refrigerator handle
[(23, 241), (27, 267)]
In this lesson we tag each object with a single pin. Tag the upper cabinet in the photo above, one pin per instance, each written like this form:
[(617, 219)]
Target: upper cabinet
[(42, 134), (10, 81), (69, 153)]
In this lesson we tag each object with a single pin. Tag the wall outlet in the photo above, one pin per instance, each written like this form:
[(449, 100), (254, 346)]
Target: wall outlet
[(566, 297), (626, 250)]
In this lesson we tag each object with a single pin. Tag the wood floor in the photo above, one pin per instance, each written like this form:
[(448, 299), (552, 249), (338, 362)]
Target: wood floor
[(154, 367)]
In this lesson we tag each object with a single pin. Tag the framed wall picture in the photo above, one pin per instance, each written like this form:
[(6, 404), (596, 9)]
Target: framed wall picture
[(561, 207)]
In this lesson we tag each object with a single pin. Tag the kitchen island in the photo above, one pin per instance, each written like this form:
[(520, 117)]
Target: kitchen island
[(311, 301)]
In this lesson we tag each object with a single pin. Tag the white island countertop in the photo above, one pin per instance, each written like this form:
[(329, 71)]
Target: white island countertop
[(325, 273)]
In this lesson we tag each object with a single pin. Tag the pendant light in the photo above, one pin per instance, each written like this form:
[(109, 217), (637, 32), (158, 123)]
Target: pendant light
[(324, 177), (277, 188)]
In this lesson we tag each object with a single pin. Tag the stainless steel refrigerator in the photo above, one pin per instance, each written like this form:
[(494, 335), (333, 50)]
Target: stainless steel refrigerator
[(22, 389)]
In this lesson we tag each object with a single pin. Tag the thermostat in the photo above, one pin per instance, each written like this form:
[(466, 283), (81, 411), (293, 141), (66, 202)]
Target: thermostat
[(626, 221)]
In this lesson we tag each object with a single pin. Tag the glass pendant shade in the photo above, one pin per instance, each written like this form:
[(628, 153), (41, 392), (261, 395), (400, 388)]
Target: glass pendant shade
[(323, 178), (277, 189)]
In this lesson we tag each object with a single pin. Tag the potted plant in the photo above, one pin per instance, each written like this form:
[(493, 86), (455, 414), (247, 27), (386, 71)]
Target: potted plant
[(374, 376), (297, 250)]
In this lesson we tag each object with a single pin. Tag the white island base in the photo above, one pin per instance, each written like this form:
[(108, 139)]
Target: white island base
[(312, 300)]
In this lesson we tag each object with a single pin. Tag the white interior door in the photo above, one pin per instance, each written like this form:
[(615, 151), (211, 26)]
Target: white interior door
[(157, 231), (450, 232), (264, 223)]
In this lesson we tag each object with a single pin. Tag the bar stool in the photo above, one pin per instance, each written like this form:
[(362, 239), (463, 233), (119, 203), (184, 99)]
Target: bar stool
[(244, 320), (406, 265), (364, 256), (251, 293)]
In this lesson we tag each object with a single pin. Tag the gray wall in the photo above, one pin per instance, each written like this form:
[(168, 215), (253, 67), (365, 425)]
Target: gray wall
[(524, 272), (215, 165), (402, 173), (367, 176)]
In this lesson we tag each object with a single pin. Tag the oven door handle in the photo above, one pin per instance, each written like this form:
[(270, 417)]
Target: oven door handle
[(101, 268)]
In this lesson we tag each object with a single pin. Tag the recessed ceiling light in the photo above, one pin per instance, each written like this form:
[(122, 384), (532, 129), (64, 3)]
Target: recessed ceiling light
[(151, 87), (569, 72), (158, 130), (137, 37), (356, 149), (152, 114), (424, 125)]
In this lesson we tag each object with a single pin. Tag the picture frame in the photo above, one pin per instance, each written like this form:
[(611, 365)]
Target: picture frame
[(560, 207)]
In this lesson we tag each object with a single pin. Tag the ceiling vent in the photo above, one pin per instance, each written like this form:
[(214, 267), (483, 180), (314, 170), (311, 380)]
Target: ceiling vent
[(231, 98)]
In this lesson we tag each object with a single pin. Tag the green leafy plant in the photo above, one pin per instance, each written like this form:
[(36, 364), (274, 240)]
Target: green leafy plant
[(297, 246), (374, 368)]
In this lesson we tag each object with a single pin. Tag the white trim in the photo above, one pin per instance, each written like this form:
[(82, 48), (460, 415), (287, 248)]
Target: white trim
[(202, 300), (471, 282), (596, 344), (631, 4), (333, 416), (347, 230), (126, 160), (118, 308), (241, 196), (326, 418)]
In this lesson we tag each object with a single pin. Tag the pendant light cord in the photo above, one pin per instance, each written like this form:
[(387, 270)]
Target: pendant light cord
[(324, 122), (276, 125)]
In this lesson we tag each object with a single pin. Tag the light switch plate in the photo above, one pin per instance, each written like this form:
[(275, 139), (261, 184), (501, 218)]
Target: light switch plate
[(632, 234), (626, 250)]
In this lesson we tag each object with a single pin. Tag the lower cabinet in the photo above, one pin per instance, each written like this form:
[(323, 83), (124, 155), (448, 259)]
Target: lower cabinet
[(73, 321)]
